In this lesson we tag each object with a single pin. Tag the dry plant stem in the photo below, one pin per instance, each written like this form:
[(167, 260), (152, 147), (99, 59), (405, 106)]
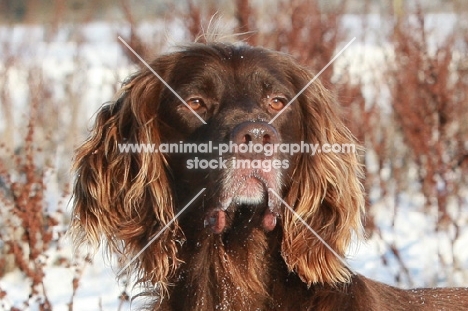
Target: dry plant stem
[(193, 21), (246, 16), (422, 108), (29, 227), (134, 41), (429, 107), (79, 271)]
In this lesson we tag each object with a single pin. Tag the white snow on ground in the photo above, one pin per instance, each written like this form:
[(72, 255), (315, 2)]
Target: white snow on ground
[(98, 289), (95, 58)]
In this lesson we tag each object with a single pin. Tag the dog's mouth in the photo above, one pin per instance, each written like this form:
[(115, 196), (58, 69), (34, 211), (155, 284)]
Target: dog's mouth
[(246, 200)]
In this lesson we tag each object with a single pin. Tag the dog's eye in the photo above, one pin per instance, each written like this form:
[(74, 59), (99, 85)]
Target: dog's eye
[(195, 103), (277, 103)]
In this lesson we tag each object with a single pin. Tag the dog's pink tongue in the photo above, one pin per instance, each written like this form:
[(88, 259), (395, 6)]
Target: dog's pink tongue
[(216, 220), (269, 220)]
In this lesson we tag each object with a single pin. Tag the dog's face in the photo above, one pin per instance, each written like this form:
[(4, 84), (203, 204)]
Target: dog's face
[(234, 96), (237, 92)]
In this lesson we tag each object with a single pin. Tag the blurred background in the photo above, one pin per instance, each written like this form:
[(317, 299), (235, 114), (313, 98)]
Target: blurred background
[(403, 87)]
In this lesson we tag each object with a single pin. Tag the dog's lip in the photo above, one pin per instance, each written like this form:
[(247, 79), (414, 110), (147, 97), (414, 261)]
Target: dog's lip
[(249, 191), (235, 196), (238, 197)]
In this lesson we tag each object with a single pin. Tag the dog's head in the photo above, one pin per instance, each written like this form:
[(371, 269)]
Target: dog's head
[(223, 121)]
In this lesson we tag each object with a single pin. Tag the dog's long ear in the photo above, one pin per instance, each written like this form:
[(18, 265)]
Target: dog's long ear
[(326, 190), (122, 197)]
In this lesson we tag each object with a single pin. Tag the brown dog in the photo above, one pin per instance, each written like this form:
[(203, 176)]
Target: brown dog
[(264, 235)]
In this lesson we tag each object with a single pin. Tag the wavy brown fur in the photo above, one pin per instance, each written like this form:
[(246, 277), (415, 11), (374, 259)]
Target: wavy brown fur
[(124, 198), (202, 262)]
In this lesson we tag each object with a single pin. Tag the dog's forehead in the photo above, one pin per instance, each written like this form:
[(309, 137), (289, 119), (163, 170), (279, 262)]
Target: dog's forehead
[(227, 60), (236, 69)]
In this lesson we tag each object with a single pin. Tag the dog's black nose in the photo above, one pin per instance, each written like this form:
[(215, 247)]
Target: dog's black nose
[(256, 134)]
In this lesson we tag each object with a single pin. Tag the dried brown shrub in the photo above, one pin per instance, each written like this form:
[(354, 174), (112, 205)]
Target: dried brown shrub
[(429, 105), (27, 227)]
